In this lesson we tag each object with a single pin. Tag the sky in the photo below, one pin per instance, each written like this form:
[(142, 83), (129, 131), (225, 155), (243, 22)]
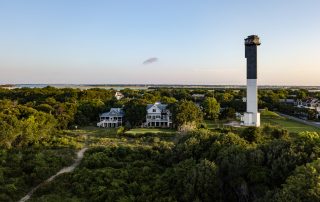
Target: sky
[(158, 41)]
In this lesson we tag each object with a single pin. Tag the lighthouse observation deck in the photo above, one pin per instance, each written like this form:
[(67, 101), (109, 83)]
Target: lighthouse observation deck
[(252, 40)]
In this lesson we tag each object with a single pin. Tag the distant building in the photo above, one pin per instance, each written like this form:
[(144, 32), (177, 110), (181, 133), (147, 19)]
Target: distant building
[(111, 119), (310, 103), (198, 96), (292, 96), (287, 101), (158, 116), (118, 95), (244, 99)]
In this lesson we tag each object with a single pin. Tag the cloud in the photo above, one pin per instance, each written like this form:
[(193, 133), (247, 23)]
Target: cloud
[(150, 60)]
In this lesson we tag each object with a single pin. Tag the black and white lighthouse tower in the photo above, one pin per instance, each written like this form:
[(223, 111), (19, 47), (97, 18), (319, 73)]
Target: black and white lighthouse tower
[(252, 116)]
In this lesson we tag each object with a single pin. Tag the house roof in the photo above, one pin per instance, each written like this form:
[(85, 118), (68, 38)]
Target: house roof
[(159, 105), (113, 112), (118, 94), (198, 95)]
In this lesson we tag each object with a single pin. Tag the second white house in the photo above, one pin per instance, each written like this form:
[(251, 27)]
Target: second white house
[(158, 115)]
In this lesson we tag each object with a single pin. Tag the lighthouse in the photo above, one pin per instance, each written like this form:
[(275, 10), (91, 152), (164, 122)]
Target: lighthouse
[(251, 117)]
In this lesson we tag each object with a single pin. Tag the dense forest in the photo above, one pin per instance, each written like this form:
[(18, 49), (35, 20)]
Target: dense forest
[(255, 165), (38, 136)]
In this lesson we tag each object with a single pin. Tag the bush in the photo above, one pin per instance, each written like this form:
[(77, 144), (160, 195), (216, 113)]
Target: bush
[(120, 130), (279, 133), (203, 125), (252, 134)]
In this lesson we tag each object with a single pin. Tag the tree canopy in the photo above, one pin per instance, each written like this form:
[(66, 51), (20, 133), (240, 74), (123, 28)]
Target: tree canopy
[(211, 108), (187, 113)]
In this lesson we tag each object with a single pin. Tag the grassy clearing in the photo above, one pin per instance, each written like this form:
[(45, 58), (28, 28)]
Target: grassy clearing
[(96, 132), (216, 124), (290, 125), (134, 137), (150, 130), (270, 114), (149, 135), (271, 118)]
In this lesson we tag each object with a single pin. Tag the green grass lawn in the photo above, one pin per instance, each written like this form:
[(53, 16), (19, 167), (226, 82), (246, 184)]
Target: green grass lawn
[(150, 130), (290, 125), (270, 114), (95, 131), (272, 118)]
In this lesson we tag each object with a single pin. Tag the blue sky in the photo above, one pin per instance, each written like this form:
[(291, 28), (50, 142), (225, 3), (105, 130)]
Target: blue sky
[(195, 41)]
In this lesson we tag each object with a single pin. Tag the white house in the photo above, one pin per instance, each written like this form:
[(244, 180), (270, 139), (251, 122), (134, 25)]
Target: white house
[(118, 95), (158, 116), (311, 103), (111, 119), (287, 101), (198, 96)]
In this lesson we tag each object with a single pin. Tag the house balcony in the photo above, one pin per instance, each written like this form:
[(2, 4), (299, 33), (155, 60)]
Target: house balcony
[(109, 123), (158, 119), (111, 120)]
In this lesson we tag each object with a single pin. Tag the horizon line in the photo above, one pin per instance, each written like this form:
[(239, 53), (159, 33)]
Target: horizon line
[(148, 84)]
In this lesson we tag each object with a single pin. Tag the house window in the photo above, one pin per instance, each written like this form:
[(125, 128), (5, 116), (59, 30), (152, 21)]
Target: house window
[(154, 110)]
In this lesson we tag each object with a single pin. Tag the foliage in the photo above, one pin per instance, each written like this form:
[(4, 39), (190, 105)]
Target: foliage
[(211, 108), (186, 112), (21, 169), (302, 185), (245, 164), (252, 134), (136, 111), (22, 126)]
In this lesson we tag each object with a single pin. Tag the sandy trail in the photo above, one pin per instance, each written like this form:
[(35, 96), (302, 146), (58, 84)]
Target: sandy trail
[(63, 170)]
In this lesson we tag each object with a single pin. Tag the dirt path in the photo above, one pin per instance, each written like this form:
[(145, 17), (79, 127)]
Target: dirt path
[(63, 170)]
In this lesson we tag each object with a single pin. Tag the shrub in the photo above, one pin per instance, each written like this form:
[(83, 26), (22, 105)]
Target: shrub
[(251, 134)]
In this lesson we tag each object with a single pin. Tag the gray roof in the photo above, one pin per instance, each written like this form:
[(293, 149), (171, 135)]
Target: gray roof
[(159, 105), (113, 112)]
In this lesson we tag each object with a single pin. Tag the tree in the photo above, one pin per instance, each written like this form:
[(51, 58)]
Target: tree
[(202, 183), (211, 108), (45, 108), (252, 134), (303, 185), (187, 113), (168, 100), (302, 94), (229, 113), (136, 111), (88, 111)]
